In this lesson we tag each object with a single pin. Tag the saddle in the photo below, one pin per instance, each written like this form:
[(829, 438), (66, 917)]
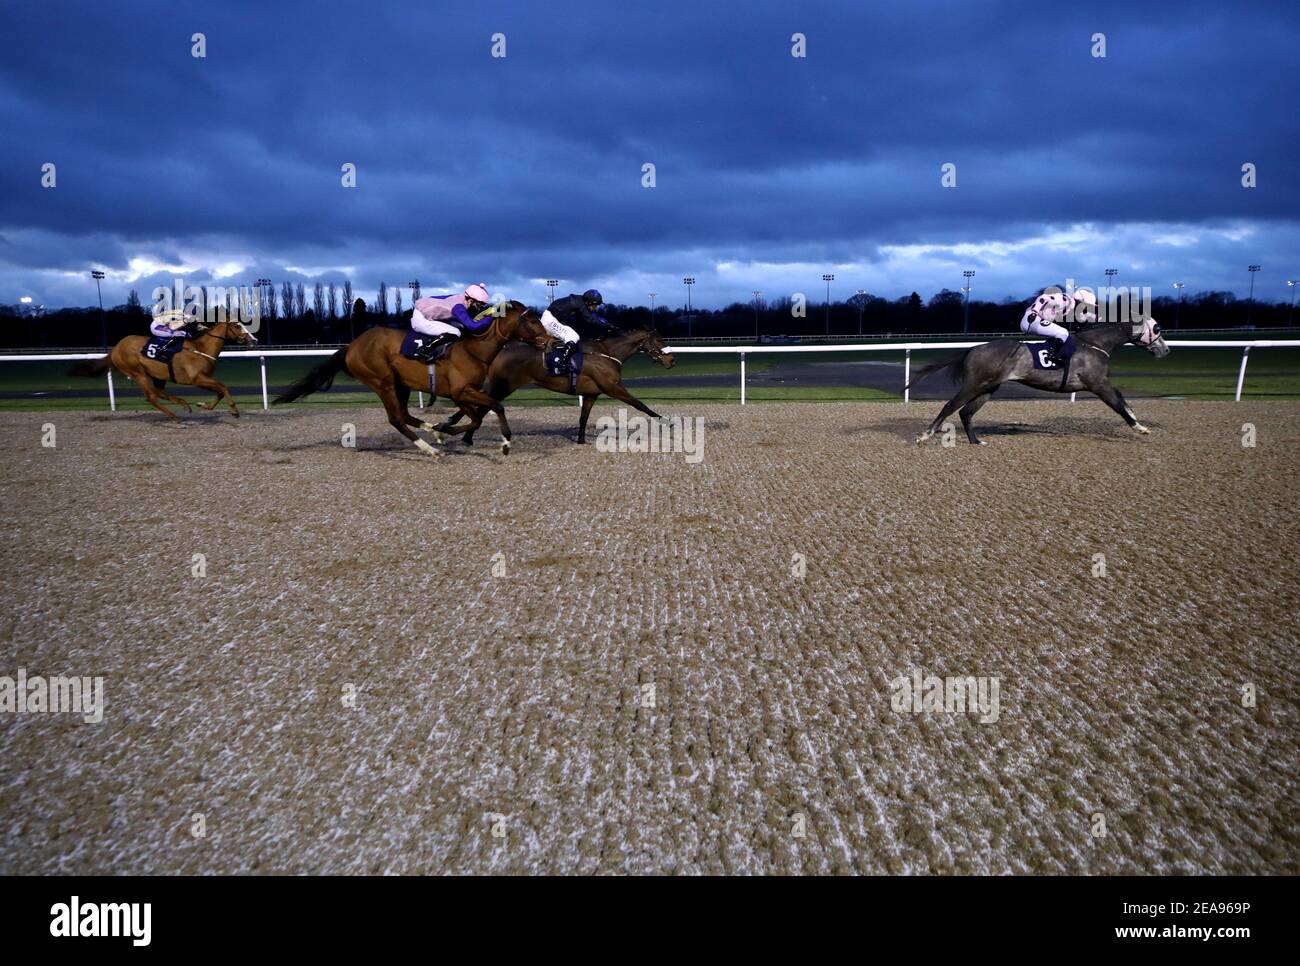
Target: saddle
[(414, 342)]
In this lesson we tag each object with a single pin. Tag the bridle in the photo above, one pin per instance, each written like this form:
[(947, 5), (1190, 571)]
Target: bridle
[(497, 327), (1156, 335), (654, 352), (222, 339)]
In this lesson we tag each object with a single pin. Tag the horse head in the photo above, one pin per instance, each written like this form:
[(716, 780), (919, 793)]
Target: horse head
[(653, 345), (228, 330), (1146, 333), (522, 323)]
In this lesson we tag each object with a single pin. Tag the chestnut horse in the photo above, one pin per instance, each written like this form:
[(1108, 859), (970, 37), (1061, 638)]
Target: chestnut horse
[(602, 372), (191, 366), (375, 358)]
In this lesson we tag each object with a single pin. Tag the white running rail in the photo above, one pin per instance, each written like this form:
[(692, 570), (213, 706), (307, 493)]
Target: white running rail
[(737, 350)]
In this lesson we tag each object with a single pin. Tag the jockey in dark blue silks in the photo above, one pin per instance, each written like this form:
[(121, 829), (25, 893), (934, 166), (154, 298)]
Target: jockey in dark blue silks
[(574, 317)]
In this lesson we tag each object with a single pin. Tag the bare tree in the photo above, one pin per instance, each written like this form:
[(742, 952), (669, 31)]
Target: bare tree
[(272, 305), (334, 302), (347, 298), (286, 296), (397, 300), (382, 299), (300, 301), (318, 301)]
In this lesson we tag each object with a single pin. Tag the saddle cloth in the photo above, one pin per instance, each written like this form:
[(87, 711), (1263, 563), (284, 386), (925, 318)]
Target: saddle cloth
[(556, 368), (414, 341), (162, 349), (1038, 352)]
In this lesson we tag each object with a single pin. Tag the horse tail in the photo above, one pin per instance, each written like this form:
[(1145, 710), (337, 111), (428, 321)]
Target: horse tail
[(90, 367), (319, 379), (956, 367)]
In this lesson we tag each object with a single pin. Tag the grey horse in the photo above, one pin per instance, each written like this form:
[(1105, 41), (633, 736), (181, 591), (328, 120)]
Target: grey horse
[(981, 370)]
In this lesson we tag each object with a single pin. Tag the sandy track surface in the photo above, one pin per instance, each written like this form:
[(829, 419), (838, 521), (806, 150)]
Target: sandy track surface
[(504, 723)]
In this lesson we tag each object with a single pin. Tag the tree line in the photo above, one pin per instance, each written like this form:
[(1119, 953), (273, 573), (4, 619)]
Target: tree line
[(330, 313)]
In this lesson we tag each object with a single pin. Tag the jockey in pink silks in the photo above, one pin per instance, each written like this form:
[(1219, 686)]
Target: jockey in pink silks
[(447, 317), (1052, 315)]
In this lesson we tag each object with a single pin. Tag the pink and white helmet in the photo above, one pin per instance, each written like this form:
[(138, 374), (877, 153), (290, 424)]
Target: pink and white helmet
[(478, 292)]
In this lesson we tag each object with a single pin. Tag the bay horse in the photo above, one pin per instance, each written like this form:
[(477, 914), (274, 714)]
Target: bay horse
[(982, 369), (602, 372), (375, 358), (191, 366)]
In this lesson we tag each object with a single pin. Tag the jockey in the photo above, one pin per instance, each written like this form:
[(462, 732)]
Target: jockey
[(446, 317), (171, 325), (563, 314), (1052, 315)]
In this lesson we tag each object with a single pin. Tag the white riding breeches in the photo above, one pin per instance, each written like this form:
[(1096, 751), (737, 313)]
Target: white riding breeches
[(1049, 330), (431, 326), (558, 329)]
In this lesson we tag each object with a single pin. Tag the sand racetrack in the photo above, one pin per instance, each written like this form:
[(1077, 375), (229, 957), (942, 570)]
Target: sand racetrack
[(504, 723)]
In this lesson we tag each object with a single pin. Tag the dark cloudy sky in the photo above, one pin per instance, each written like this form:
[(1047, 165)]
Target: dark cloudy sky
[(770, 169)]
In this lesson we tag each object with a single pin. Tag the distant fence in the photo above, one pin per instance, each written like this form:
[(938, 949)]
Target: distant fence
[(742, 351)]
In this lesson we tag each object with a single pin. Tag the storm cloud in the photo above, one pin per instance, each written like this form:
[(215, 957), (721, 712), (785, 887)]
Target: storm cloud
[(770, 169)]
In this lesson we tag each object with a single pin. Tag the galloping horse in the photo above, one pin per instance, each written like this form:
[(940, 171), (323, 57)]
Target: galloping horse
[(375, 358), (192, 366), (602, 372), (981, 370)]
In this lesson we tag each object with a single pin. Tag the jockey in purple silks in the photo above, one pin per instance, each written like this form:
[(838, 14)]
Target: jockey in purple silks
[(446, 317), (171, 326), (1052, 314)]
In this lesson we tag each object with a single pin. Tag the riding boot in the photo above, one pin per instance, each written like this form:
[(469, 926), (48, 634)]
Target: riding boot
[(430, 349), (1068, 347)]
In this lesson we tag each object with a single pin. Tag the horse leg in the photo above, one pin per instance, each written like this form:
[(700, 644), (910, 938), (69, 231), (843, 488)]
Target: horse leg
[(498, 389), (619, 392), (587, 403), (179, 400), (1111, 396), (468, 438), (207, 382), (145, 382), (966, 395), (475, 404), (397, 416), (969, 410), (403, 392)]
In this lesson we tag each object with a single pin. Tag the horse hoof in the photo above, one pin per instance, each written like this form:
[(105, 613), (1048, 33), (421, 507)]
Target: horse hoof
[(922, 438), (439, 438), (1141, 429), (505, 447)]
